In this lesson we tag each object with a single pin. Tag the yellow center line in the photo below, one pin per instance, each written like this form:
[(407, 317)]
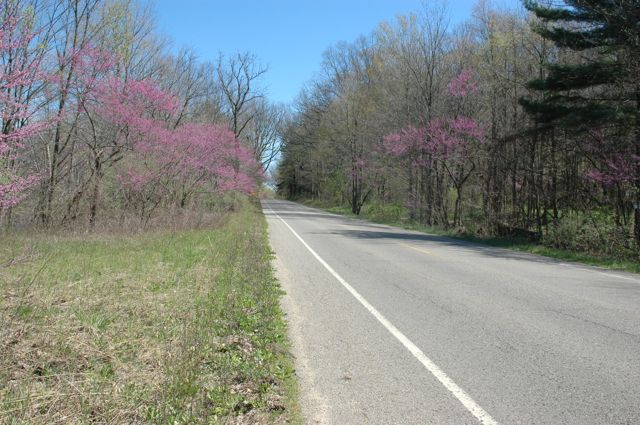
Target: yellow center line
[(424, 251)]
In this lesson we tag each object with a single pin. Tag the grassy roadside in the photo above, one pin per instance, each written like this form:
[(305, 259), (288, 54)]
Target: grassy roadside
[(159, 327), (514, 244)]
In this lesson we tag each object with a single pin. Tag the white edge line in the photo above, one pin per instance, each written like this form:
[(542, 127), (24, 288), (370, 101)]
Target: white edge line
[(462, 396), (617, 276)]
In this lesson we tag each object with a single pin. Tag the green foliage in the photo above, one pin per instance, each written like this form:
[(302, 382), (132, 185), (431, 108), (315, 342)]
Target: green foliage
[(380, 211), (575, 77), (593, 233), (610, 31)]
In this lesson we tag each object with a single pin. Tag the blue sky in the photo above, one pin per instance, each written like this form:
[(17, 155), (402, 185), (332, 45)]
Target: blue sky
[(288, 36)]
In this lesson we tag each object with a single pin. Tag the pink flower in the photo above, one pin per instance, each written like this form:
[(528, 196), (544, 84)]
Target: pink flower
[(462, 85), (620, 168), (15, 35)]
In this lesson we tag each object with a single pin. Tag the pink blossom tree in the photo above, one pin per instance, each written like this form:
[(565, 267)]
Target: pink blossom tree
[(166, 163), (122, 116), (190, 159), (618, 168), (448, 142), (615, 169), (21, 77), (409, 145)]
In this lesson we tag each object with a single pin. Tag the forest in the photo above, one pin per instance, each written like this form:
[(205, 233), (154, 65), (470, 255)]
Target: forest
[(518, 123), (103, 120)]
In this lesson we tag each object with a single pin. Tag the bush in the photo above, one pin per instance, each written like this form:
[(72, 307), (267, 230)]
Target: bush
[(384, 212), (594, 234)]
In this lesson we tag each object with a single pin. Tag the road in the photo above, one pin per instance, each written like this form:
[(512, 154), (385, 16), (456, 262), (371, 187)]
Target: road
[(391, 326)]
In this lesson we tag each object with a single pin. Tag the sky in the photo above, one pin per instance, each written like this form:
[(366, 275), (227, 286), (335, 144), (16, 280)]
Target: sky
[(288, 36)]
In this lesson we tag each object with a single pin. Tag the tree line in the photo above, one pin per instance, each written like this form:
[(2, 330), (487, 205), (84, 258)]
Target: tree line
[(519, 123), (102, 118)]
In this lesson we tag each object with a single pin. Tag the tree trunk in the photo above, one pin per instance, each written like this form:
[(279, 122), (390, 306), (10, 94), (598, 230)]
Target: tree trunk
[(456, 212), (636, 218), (636, 204), (95, 196)]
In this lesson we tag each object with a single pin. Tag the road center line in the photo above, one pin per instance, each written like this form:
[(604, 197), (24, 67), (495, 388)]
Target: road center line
[(415, 248), (424, 251), (462, 396)]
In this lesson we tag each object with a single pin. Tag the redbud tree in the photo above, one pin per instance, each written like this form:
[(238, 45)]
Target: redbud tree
[(447, 142), (20, 76)]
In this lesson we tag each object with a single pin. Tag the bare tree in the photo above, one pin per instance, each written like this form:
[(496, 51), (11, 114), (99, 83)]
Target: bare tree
[(187, 79), (238, 77), (264, 132), (75, 19)]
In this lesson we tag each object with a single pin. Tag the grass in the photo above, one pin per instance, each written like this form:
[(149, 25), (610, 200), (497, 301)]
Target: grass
[(521, 245), (156, 327)]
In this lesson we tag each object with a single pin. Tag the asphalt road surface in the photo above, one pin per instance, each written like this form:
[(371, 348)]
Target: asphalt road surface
[(391, 326)]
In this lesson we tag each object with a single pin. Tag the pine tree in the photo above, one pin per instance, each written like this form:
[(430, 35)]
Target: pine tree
[(601, 88)]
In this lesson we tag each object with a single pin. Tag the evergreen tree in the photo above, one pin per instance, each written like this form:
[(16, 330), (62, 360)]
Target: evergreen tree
[(600, 90)]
